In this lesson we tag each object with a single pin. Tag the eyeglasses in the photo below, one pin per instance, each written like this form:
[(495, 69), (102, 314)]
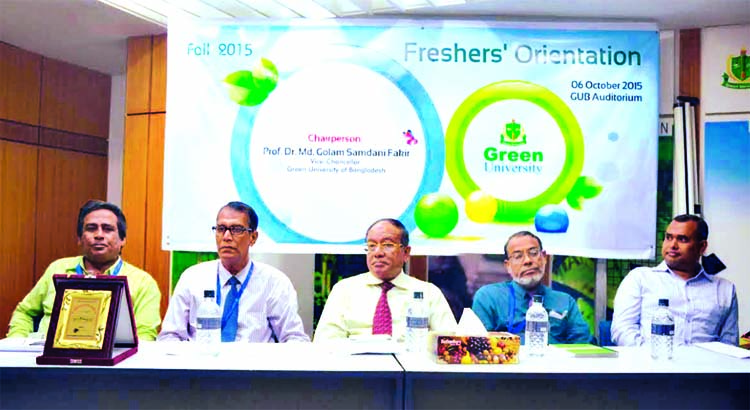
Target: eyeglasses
[(234, 230), (518, 255), (386, 246)]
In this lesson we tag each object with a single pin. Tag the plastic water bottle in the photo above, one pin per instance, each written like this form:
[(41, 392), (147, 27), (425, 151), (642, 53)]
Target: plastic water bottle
[(208, 329), (662, 332), (537, 328), (417, 324)]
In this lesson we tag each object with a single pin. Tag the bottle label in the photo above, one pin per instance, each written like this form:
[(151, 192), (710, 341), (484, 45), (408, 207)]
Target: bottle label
[(208, 323), (417, 322), (662, 330), (536, 326)]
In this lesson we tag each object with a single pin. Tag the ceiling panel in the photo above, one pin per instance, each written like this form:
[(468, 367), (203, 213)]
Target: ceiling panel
[(92, 33)]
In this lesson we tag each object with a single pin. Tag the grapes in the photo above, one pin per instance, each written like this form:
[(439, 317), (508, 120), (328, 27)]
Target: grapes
[(479, 347)]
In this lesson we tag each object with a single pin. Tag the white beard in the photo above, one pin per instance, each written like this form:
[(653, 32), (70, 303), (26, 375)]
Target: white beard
[(529, 281)]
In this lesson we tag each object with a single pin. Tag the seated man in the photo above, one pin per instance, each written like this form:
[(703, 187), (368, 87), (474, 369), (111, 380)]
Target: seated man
[(101, 236), (704, 307), (376, 302), (267, 307), (503, 306)]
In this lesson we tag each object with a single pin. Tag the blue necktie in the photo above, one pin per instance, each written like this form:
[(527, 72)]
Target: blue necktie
[(231, 311)]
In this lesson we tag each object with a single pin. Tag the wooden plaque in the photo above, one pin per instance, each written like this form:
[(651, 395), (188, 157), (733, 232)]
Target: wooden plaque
[(92, 322)]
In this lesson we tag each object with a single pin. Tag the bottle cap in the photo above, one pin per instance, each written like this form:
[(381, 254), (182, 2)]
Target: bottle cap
[(208, 294), (418, 295), (664, 302), (538, 298)]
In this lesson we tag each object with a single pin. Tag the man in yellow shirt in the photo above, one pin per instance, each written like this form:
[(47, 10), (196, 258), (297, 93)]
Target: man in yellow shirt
[(101, 236), (353, 304)]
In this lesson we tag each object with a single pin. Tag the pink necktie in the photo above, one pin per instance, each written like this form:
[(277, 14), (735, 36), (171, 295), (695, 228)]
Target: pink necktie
[(382, 323)]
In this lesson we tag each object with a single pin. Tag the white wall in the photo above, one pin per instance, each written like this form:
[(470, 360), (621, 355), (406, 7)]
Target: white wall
[(116, 139), (300, 269), (667, 72)]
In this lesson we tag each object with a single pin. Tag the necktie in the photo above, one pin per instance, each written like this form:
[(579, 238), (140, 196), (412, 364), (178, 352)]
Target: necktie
[(382, 322), (231, 312)]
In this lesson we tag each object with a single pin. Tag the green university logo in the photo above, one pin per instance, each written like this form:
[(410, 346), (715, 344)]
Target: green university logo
[(738, 69), (513, 135), (569, 185)]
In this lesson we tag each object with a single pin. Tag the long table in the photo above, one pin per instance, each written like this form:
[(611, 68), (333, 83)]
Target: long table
[(174, 375), (695, 378), (312, 376)]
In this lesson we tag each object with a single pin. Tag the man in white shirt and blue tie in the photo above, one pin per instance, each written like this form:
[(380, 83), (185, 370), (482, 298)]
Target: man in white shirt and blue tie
[(258, 301)]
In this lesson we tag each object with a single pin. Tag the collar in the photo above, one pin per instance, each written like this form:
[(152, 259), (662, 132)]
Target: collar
[(662, 267), (224, 274), (540, 290), (83, 266), (400, 281)]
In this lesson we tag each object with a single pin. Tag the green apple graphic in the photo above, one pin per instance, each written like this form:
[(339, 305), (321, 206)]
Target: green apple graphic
[(252, 87)]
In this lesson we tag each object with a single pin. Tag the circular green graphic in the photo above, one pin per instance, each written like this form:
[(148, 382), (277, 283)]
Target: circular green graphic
[(436, 215), (515, 211)]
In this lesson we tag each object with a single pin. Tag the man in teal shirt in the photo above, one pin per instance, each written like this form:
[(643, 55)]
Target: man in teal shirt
[(101, 236), (503, 306)]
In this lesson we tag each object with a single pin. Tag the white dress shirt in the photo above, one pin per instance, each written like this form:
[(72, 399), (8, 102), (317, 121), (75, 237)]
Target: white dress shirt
[(350, 307), (267, 307), (704, 307)]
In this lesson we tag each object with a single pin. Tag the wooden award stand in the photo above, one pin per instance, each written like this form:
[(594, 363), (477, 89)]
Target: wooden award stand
[(92, 322)]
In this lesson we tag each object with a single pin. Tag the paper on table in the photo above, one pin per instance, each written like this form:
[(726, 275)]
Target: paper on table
[(372, 344), (726, 349), (470, 324), (21, 344)]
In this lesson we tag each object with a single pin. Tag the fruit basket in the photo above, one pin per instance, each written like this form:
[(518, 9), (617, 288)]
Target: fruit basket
[(495, 348)]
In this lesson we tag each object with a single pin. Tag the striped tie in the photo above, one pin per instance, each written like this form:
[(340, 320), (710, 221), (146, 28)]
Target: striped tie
[(382, 322)]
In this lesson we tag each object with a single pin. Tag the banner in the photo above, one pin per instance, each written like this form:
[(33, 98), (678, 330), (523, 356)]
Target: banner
[(725, 68), (727, 198), (464, 131)]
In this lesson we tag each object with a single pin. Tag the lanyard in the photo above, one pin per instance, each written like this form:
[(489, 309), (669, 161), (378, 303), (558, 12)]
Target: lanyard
[(517, 327), (115, 271), (242, 288)]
